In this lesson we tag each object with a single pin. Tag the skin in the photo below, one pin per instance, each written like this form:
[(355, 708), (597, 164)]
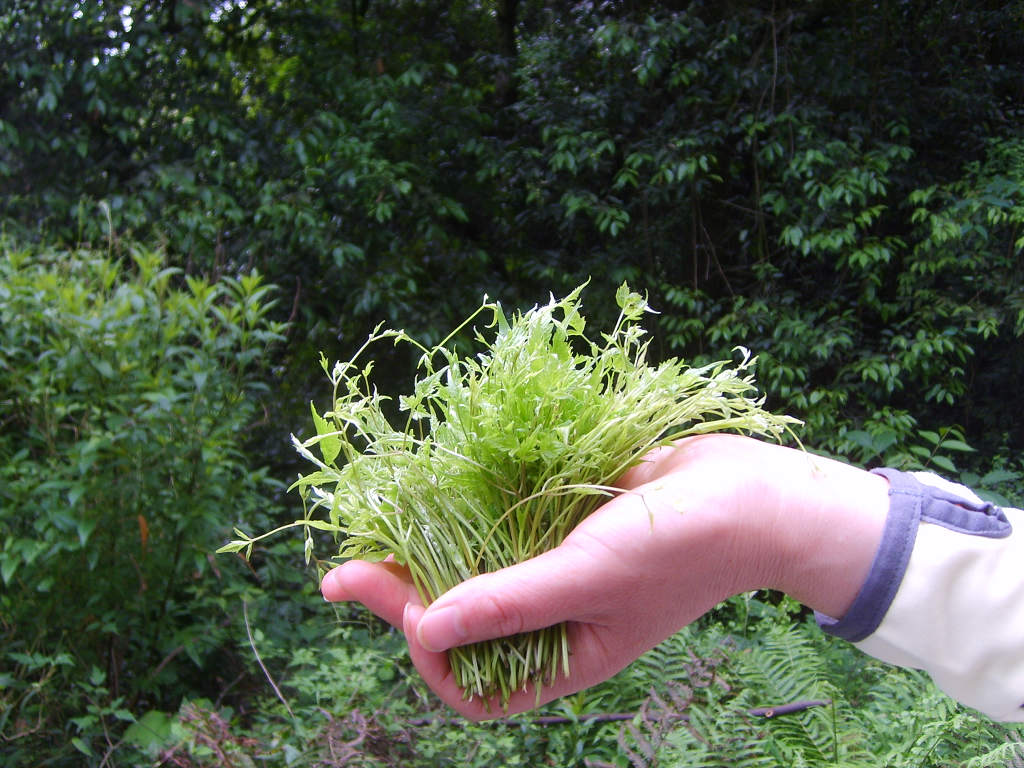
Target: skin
[(697, 522)]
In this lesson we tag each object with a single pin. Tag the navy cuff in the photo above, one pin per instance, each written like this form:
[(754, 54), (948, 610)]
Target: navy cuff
[(910, 503)]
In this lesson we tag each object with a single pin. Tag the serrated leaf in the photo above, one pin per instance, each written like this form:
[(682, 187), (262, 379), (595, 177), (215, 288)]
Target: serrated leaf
[(8, 567), (85, 529), (861, 438), (97, 676), (997, 476), (632, 304), (150, 732), (320, 525)]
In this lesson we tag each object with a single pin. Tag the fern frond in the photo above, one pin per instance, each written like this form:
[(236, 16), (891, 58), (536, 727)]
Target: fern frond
[(687, 655), (901, 719), (718, 738), (783, 667), (1008, 755)]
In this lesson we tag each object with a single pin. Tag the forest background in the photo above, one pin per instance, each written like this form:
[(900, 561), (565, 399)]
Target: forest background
[(198, 197)]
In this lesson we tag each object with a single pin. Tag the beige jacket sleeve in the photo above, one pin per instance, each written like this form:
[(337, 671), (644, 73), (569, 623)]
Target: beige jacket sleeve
[(946, 594)]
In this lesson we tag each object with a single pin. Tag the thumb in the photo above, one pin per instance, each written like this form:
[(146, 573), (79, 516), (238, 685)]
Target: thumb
[(551, 588)]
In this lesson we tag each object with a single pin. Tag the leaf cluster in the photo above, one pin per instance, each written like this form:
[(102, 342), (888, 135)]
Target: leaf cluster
[(777, 177), (125, 390), (503, 453)]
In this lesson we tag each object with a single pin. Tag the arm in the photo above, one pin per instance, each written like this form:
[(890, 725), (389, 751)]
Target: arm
[(709, 518)]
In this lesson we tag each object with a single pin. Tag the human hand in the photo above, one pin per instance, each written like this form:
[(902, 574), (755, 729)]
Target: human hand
[(710, 517)]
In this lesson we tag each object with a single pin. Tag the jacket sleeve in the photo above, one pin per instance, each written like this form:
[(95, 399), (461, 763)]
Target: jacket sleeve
[(946, 593)]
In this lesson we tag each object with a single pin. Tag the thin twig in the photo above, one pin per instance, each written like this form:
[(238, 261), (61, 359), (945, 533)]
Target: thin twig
[(591, 717), (787, 709), (252, 644), (165, 661)]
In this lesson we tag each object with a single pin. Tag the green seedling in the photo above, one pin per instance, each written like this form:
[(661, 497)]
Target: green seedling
[(502, 453)]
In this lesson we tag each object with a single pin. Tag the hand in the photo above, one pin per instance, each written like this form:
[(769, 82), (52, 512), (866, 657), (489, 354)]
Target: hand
[(697, 522)]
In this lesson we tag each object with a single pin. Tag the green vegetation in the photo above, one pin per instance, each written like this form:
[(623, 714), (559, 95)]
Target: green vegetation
[(199, 197), (721, 708), (503, 454), (124, 395)]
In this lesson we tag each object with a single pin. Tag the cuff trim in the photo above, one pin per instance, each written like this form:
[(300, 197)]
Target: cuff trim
[(910, 502)]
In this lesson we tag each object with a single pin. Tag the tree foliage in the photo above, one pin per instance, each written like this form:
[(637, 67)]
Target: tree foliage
[(838, 187)]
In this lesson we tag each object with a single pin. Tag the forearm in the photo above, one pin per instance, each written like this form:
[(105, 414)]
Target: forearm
[(944, 594), (916, 571)]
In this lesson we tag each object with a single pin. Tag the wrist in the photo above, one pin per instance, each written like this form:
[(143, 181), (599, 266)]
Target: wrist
[(822, 528), (759, 515)]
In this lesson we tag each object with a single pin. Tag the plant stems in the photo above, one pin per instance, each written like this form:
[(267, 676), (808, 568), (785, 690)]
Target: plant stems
[(502, 454)]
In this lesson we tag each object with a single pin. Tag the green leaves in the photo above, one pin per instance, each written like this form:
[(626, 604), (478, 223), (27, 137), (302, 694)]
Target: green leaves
[(329, 443), (503, 453), (844, 200), (126, 397)]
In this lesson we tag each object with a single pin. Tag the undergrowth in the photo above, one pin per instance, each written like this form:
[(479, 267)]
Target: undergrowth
[(789, 695), (776, 692)]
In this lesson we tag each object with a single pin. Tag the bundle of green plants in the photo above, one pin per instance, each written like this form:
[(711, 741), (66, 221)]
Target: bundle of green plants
[(500, 454)]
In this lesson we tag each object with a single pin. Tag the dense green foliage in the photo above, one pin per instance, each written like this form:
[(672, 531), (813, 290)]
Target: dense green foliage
[(779, 179), (837, 186), (722, 707), (120, 458)]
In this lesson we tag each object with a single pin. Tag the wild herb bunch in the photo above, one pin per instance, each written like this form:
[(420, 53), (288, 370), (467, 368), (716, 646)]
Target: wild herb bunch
[(503, 453)]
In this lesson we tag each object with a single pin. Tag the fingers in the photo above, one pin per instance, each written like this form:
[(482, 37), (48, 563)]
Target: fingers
[(523, 598), (589, 666), (693, 452), (557, 586), (532, 595), (597, 654), (580, 581), (649, 468), (385, 588), (433, 667), (633, 545), (535, 594)]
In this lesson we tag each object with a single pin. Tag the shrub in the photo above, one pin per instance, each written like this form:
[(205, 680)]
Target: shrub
[(126, 388)]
